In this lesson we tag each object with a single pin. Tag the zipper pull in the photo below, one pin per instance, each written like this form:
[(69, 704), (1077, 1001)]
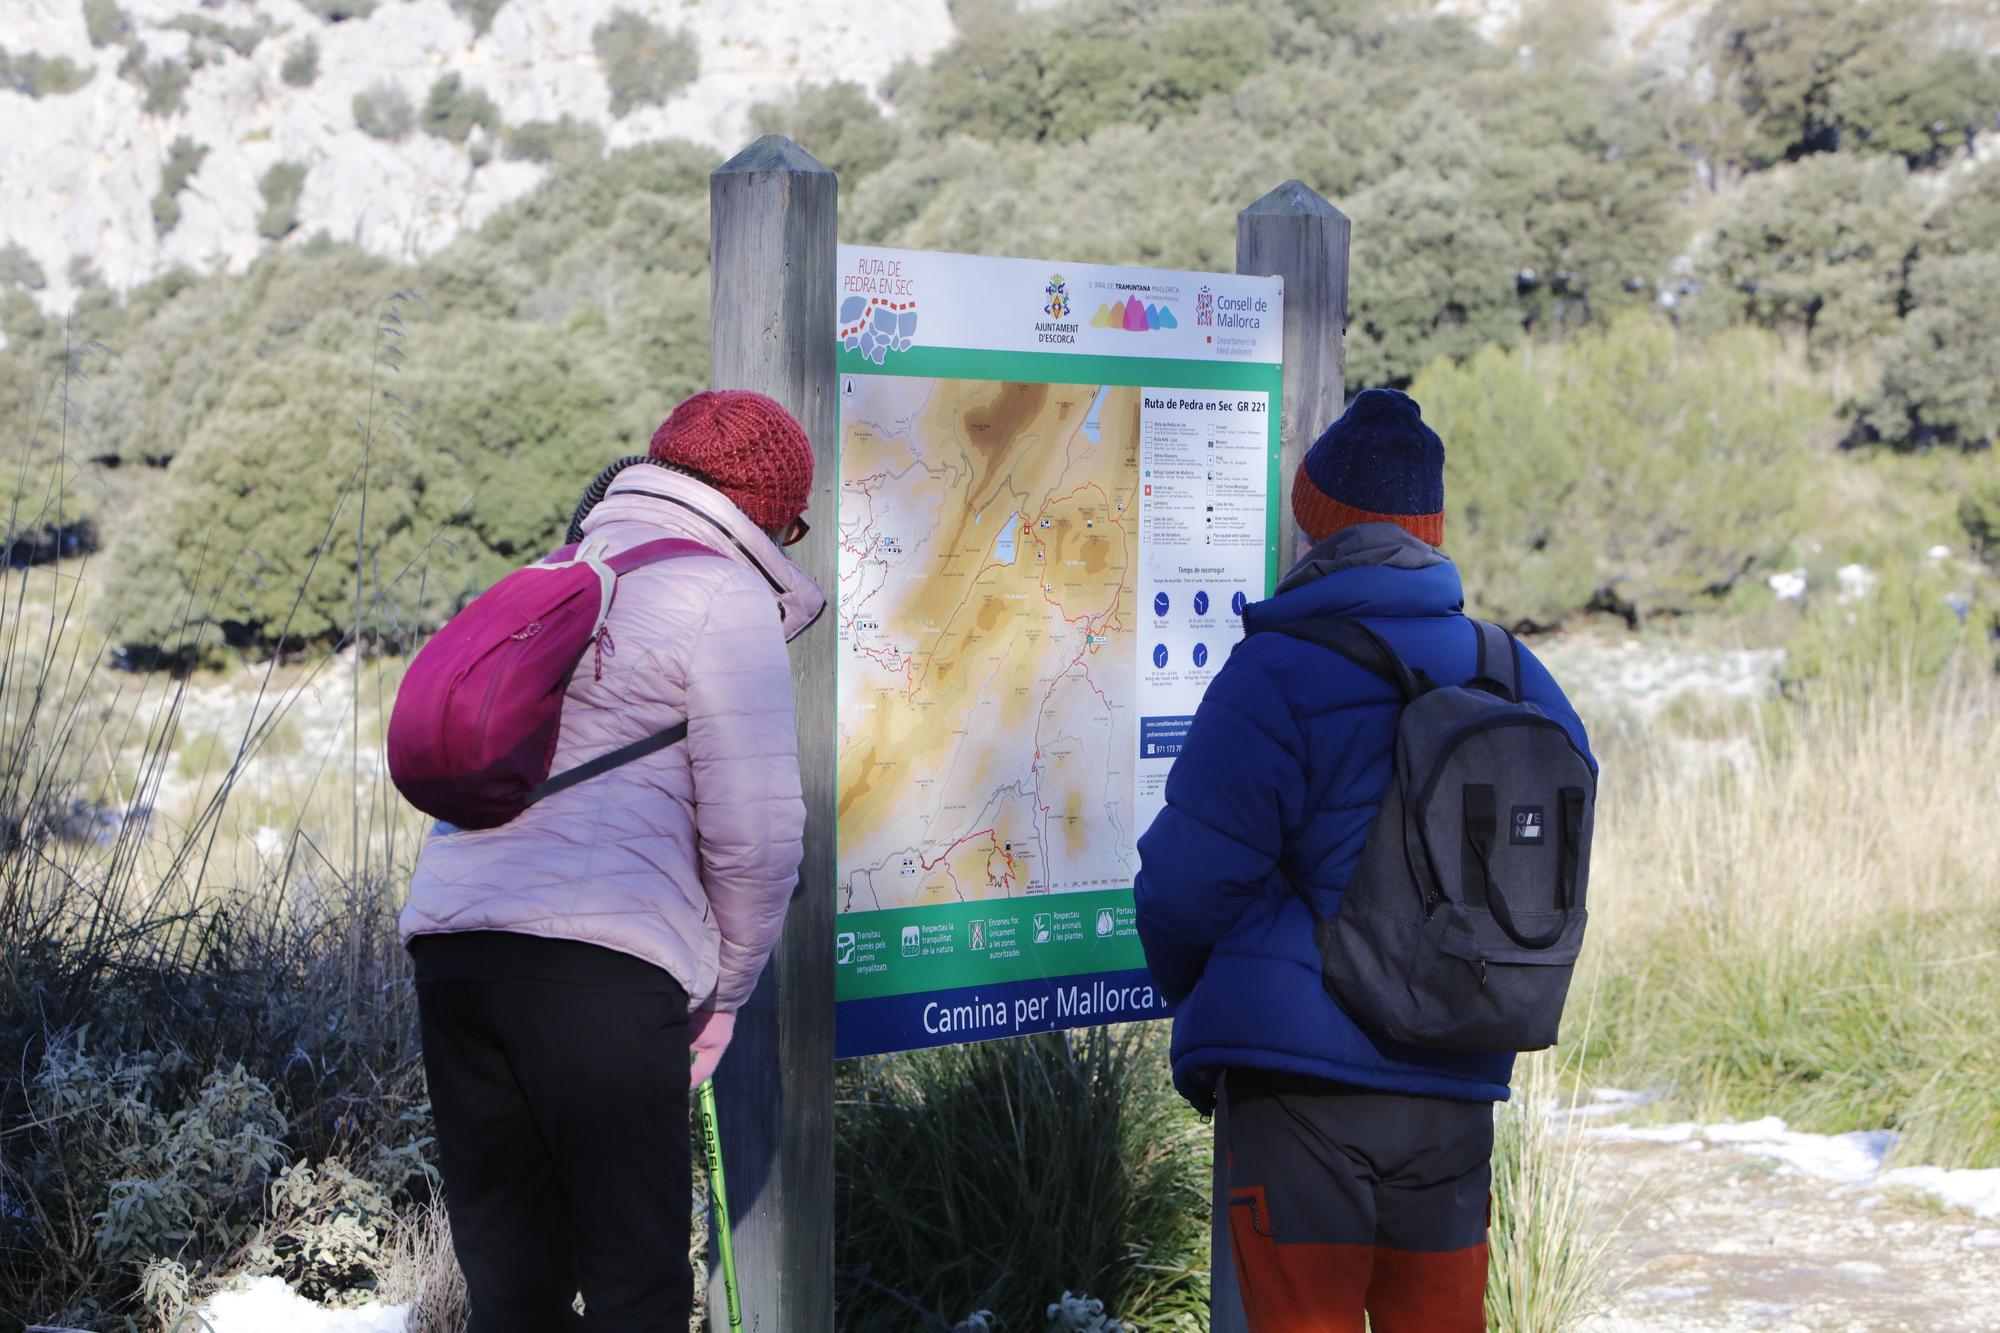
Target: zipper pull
[(605, 648)]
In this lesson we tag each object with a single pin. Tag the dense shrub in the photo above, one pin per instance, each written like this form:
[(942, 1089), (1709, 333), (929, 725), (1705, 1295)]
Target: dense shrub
[(240, 38), (42, 76), (644, 63), (1064, 74), (1817, 246), (18, 268), (165, 81), (339, 11), (241, 531), (301, 65), (1633, 469), (383, 111), (105, 23), (469, 470), (184, 159), (838, 123), (452, 111), (998, 1174), (281, 187), (1941, 363), (555, 140), (1810, 76), (479, 13), (1979, 515), (1490, 195)]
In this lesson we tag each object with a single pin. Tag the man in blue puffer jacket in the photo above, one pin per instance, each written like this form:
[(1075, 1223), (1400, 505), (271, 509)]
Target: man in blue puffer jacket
[(1358, 1168)]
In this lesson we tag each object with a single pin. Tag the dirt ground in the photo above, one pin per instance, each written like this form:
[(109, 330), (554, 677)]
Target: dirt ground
[(1712, 1238)]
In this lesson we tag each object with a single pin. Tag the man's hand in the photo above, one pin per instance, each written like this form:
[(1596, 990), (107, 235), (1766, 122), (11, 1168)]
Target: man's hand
[(708, 1037)]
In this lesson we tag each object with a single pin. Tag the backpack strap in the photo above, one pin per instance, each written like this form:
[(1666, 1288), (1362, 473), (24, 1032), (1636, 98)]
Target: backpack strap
[(604, 763), (651, 553), (1498, 664), (1353, 641), (635, 557)]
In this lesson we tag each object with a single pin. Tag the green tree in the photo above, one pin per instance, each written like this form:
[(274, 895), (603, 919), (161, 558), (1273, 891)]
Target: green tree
[(383, 111), (644, 63), (301, 65), (35, 75), (555, 140), (1436, 269), (479, 13), (470, 469), (1941, 364), (165, 81), (837, 122), (105, 23), (1631, 468), (452, 111), (1065, 74), (1817, 246), (184, 159), (339, 11), (240, 38), (281, 187), (1811, 76), (19, 268)]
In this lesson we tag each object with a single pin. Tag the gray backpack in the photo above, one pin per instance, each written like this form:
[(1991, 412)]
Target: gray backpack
[(1461, 925)]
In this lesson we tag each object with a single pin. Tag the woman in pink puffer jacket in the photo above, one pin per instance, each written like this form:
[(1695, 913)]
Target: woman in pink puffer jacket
[(568, 961)]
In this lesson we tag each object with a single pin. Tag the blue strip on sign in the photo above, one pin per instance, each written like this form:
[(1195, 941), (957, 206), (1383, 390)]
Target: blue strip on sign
[(1163, 737), (981, 1013)]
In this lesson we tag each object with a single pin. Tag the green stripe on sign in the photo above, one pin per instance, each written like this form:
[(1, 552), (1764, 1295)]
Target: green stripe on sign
[(961, 363), (1017, 939)]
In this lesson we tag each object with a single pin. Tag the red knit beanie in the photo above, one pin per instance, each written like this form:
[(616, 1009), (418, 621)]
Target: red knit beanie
[(747, 447)]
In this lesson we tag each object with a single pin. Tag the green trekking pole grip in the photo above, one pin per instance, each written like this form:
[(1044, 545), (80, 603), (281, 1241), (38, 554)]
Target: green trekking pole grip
[(718, 1202)]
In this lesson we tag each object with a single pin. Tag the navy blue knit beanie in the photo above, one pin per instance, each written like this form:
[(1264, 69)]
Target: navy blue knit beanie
[(1378, 464)]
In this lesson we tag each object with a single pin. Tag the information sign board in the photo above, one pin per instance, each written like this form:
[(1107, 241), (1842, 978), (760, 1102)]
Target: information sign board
[(1057, 492)]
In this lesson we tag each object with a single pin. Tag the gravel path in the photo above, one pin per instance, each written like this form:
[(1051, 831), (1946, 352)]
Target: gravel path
[(1717, 1237)]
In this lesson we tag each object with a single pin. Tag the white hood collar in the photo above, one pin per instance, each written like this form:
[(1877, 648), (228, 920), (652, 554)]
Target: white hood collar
[(664, 498)]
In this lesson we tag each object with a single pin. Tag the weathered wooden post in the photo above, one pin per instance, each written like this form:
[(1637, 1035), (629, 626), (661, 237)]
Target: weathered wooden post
[(1295, 234), (772, 261)]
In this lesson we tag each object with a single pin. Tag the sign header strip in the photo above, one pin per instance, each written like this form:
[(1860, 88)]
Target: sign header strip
[(1067, 368)]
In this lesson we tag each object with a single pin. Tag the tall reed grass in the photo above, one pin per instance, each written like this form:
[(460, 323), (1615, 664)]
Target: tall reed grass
[(1550, 1255), (210, 1050), (1811, 928), (1002, 1174)]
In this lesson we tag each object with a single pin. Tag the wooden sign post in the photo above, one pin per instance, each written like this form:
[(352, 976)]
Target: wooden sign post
[(772, 233), (1295, 234)]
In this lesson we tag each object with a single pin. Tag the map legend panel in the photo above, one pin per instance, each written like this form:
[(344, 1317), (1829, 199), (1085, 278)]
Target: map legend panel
[(1204, 458)]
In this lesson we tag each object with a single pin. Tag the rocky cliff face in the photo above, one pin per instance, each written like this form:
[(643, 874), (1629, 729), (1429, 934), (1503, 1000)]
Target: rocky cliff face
[(246, 86)]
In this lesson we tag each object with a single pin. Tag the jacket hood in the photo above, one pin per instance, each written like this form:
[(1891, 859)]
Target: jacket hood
[(1370, 569), (661, 498)]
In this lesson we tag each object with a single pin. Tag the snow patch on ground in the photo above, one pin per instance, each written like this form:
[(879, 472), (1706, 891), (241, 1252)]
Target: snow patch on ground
[(1854, 1160), (1640, 677), (266, 1304)]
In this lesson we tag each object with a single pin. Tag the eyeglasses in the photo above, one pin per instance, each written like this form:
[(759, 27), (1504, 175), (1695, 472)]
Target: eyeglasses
[(796, 533)]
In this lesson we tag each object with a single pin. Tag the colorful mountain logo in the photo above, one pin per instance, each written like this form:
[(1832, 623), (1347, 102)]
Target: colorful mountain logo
[(1058, 306), (1133, 317), (874, 327)]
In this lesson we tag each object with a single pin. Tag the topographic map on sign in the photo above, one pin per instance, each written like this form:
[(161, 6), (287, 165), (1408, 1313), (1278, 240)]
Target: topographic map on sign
[(988, 541)]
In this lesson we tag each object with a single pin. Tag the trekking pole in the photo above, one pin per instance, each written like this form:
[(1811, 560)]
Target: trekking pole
[(718, 1205)]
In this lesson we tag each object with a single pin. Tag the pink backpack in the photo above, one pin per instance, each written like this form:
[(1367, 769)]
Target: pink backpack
[(473, 734)]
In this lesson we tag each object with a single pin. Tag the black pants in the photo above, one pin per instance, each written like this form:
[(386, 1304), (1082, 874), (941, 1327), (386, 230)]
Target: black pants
[(1344, 1200), (558, 1079)]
